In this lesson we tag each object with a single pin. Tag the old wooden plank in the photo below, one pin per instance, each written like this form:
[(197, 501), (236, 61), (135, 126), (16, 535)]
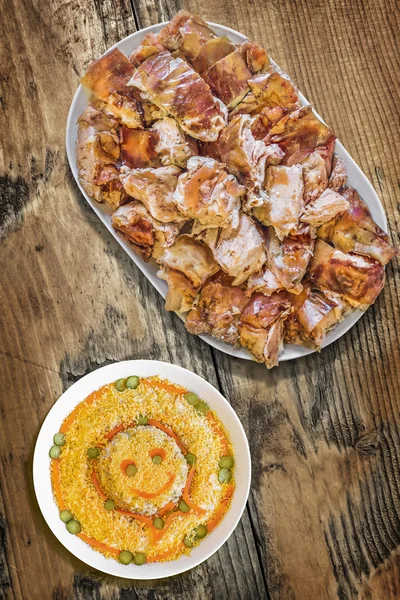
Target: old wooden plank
[(326, 495), (72, 301), (324, 431), (148, 12)]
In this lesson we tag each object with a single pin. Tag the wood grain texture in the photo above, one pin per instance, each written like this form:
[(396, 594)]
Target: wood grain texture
[(323, 518), (327, 482), (58, 321)]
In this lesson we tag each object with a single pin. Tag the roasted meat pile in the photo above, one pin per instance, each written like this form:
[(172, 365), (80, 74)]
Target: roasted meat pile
[(213, 168)]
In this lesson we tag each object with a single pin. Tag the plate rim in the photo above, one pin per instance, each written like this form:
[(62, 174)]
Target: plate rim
[(74, 397), (291, 351)]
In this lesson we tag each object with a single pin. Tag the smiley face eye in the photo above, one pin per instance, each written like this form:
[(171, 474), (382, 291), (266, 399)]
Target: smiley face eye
[(157, 455), (129, 468)]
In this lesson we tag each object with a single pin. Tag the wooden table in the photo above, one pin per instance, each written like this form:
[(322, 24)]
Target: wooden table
[(323, 517)]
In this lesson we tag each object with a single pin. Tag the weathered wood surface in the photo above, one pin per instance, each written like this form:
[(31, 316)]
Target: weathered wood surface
[(323, 519)]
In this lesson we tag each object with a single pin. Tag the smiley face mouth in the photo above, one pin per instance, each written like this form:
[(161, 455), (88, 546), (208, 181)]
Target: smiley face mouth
[(154, 452), (164, 488)]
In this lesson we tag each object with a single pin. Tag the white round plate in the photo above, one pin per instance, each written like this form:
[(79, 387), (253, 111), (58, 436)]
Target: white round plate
[(78, 392), (356, 178)]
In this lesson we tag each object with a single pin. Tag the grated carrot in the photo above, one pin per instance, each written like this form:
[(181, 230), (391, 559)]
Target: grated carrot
[(128, 513), (186, 497), (223, 507), (167, 554), (169, 432), (117, 429), (163, 385), (168, 522), (71, 417), (158, 452), (167, 508), (96, 484), (147, 520), (125, 463), (55, 480), (161, 490), (98, 545), (219, 432)]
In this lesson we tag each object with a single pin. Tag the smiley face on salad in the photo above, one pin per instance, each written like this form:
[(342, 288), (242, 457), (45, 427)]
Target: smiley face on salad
[(142, 470)]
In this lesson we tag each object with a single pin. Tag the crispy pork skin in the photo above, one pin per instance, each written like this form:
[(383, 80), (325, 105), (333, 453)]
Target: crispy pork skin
[(355, 231), (354, 278), (217, 310), (172, 85)]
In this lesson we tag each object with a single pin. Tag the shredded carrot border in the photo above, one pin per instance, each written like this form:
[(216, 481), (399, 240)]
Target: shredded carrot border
[(143, 518), (163, 385), (217, 429), (97, 485), (147, 520), (55, 480), (167, 508), (168, 431), (71, 417), (166, 554), (223, 507), (99, 545), (167, 523), (117, 429), (186, 496)]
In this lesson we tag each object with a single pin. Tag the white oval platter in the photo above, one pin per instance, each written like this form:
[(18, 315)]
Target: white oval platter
[(356, 179)]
